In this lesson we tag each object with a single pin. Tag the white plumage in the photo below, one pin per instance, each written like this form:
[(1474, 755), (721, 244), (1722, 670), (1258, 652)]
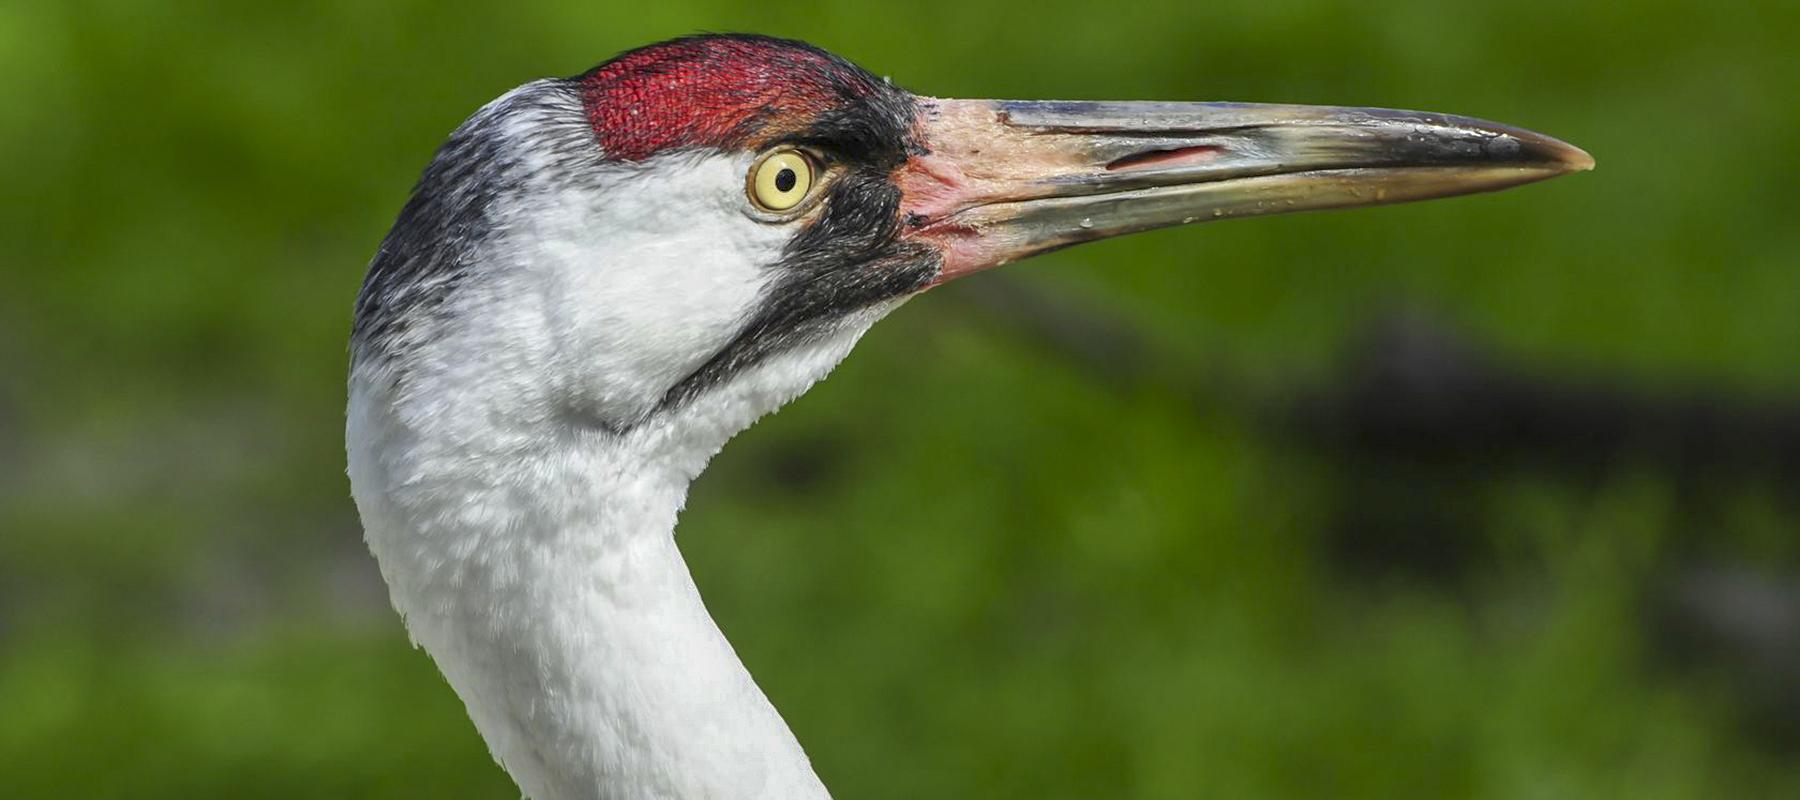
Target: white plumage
[(535, 559)]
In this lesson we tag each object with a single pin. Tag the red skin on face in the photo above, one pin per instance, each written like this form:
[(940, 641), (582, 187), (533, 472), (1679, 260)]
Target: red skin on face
[(725, 93)]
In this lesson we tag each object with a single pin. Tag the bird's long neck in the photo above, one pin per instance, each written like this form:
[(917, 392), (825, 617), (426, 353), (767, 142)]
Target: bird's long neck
[(542, 576)]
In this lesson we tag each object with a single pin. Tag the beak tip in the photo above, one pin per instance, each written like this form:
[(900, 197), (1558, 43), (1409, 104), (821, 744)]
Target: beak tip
[(1577, 160), (1561, 156)]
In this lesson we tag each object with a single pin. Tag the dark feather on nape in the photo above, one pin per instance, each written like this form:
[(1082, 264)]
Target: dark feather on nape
[(436, 240)]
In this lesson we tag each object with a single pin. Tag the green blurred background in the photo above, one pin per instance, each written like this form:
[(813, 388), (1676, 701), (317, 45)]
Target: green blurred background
[(1488, 497)]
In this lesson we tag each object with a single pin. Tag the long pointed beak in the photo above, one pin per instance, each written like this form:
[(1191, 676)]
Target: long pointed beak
[(1003, 180)]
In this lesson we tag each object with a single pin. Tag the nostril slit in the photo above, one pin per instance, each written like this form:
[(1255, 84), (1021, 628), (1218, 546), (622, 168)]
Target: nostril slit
[(1164, 158)]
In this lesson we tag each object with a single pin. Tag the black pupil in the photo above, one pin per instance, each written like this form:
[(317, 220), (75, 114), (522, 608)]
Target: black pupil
[(785, 179)]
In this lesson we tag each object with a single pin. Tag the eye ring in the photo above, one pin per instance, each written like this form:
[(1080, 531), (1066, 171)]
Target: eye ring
[(782, 181)]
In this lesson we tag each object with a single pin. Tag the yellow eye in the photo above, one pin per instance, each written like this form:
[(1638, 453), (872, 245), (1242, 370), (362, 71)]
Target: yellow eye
[(780, 181)]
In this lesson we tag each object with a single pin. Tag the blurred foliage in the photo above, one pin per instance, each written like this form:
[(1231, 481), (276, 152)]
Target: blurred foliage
[(962, 566)]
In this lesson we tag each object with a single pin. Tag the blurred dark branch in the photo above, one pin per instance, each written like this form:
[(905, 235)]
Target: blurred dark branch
[(1412, 388), (1418, 389)]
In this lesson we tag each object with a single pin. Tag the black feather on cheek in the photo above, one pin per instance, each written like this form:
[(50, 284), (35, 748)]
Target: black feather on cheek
[(860, 215), (849, 258)]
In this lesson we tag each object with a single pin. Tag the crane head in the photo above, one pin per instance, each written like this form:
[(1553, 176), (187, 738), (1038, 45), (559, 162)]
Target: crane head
[(611, 247)]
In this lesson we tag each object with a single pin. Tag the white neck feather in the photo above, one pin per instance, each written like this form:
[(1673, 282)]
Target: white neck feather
[(518, 469), (534, 558)]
